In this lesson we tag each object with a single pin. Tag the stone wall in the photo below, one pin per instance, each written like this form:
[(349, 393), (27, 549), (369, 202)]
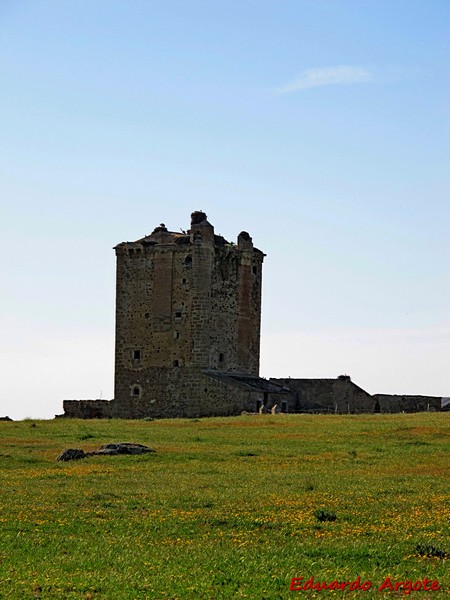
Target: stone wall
[(338, 395), (88, 409), (392, 403), (181, 386)]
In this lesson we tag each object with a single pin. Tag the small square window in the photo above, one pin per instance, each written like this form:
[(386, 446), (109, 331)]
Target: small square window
[(136, 355)]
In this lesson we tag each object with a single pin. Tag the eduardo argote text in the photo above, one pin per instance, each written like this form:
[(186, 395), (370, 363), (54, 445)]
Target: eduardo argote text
[(299, 584)]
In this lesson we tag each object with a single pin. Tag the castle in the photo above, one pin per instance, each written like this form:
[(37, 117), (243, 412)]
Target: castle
[(188, 315)]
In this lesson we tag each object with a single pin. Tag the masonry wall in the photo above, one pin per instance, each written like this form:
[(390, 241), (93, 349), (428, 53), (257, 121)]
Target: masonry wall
[(339, 395), (392, 403), (88, 409), (185, 303)]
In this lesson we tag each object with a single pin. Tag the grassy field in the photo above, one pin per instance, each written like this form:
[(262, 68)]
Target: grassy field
[(226, 507)]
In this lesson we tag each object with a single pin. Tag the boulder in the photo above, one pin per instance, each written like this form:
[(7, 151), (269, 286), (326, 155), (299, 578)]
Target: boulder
[(123, 448), (72, 454), (106, 450)]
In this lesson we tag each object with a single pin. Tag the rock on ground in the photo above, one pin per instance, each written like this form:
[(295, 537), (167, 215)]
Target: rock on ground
[(72, 454), (106, 449), (123, 448)]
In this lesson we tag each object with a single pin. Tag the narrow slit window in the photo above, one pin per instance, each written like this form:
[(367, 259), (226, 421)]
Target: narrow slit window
[(136, 355)]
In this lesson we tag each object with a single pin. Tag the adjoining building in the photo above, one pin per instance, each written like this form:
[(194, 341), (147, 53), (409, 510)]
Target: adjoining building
[(342, 396), (188, 320)]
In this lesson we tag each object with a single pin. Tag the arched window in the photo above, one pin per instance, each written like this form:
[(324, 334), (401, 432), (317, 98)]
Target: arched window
[(136, 391)]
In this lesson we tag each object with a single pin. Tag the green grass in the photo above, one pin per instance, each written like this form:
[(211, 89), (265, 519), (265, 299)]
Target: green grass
[(226, 507)]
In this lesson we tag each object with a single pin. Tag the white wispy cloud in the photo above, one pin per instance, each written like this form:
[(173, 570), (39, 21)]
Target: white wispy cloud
[(340, 75)]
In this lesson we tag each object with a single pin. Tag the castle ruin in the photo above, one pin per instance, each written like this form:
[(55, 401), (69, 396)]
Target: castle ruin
[(188, 311), (188, 316)]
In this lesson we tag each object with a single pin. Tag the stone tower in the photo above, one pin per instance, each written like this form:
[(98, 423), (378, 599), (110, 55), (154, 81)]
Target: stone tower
[(188, 311)]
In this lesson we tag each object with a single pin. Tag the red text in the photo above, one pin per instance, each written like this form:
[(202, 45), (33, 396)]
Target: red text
[(408, 586), (298, 585)]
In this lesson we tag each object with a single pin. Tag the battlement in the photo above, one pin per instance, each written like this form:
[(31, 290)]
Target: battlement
[(200, 232)]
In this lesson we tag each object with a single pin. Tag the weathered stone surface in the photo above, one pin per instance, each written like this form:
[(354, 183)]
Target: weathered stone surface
[(87, 409), (105, 450), (72, 454), (185, 303), (393, 403), (122, 448), (339, 395)]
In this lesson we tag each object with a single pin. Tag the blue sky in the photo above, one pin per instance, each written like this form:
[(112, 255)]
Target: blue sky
[(321, 127)]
